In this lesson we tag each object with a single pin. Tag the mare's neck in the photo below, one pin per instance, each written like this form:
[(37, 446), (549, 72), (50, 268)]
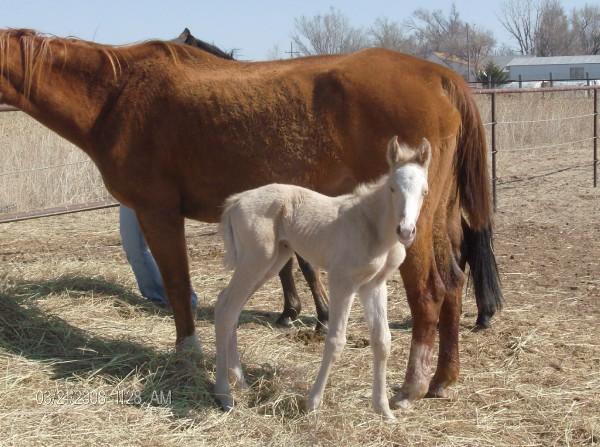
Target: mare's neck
[(68, 85)]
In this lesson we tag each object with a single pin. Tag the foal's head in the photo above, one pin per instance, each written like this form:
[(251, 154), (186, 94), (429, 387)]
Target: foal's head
[(407, 184)]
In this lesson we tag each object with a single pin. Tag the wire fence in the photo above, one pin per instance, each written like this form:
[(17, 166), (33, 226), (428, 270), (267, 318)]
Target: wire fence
[(531, 133), (565, 129)]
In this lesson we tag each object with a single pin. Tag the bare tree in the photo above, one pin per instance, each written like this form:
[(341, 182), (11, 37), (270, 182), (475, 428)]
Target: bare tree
[(521, 18), (330, 33), (553, 36), (385, 33), (585, 28), (434, 31)]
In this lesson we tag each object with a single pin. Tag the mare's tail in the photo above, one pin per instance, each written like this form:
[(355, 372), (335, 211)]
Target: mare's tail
[(474, 189)]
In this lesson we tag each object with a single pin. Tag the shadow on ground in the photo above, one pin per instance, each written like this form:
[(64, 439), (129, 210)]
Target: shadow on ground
[(73, 355)]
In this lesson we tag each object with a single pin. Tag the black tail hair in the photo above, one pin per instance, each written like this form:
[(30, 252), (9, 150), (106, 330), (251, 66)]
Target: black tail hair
[(477, 251)]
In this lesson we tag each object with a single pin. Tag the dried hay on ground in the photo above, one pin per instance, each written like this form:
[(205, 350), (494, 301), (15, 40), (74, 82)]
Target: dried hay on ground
[(71, 321)]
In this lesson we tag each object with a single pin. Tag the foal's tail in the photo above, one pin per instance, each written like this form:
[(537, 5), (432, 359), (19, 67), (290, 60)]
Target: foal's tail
[(226, 230), (474, 190)]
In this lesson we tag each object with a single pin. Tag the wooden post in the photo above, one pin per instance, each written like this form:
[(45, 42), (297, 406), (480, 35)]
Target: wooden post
[(595, 137), (494, 150), (520, 82), (587, 78), (551, 82)]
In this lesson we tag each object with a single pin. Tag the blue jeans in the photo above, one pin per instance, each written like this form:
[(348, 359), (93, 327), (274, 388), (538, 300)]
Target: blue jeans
[(141, 260)]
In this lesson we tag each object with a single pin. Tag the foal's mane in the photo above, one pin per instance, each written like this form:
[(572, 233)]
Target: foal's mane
[(37, 50), (364, 189)]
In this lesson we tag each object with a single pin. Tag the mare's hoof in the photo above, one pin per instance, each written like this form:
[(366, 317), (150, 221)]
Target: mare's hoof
[(321, 327), (438, 392), (400, 401), (483, 322), (284, 321), (225, 402)]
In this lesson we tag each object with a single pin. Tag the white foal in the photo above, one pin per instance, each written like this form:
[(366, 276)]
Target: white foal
[(358, 238)]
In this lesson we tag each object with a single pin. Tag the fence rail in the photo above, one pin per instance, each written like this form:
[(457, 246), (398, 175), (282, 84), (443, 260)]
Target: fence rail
[(57, 211)]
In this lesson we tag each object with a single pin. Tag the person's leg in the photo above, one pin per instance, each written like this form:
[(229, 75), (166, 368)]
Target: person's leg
[(141, 260)]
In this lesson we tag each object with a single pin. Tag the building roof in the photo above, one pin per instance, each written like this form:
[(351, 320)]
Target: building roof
[(447, 57), (554, 60)]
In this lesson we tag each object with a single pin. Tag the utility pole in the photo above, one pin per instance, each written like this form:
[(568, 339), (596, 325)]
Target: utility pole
[(468, 56), (292, 53)]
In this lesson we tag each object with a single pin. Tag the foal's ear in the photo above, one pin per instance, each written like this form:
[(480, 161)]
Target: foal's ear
[(397, 154), (423, 156)]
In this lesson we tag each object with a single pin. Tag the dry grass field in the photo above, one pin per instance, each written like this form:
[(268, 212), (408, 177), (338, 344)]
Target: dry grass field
[(85, 361)]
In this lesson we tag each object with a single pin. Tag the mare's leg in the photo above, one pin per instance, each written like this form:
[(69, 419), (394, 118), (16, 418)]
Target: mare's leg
[(342, 295), (164, 231), (425, 293), (291, 302), (318, 292), (374, 300), (447, 248)]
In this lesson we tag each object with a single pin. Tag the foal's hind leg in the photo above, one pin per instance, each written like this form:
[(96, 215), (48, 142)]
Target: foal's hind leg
[(318, 292), (233, 356), (231, 301), (374, 301), (227, 310)]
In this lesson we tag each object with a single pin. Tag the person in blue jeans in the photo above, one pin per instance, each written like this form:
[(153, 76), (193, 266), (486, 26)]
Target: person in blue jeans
[(141, 260)]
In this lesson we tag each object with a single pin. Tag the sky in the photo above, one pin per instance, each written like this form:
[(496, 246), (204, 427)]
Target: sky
[(253, 28)]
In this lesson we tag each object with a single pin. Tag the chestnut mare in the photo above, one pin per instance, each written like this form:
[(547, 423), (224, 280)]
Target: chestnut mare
[(291, 301), (175, 130)]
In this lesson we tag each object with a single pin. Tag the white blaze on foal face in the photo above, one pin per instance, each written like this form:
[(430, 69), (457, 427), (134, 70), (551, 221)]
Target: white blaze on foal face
[(408, 185)]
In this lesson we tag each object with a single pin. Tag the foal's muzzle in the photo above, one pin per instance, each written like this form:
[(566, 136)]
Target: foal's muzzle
[(406, 233)]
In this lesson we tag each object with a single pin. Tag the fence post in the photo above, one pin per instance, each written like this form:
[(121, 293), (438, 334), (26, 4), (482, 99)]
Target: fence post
[(494, 176), (551, 82), (595, 137), (587, 78), (520, 82)]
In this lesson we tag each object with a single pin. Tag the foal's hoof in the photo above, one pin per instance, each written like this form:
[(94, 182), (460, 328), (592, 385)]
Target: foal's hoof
[(284, 321)]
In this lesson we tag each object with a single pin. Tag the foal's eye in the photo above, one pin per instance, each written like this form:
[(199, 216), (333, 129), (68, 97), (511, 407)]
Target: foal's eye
[(425, 192)]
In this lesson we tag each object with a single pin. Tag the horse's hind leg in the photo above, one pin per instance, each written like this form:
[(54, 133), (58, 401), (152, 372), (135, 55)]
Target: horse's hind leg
[(249, 276), (374, 301), (425, 292), (227, 311), (447, 249), (318, 292), (291, 302)]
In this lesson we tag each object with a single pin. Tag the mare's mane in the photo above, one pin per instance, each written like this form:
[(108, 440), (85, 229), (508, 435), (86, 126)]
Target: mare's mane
[(37, 52)]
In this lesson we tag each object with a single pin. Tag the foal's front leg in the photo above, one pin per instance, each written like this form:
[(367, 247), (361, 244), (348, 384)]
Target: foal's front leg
[(340, 302), (373, 297)]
